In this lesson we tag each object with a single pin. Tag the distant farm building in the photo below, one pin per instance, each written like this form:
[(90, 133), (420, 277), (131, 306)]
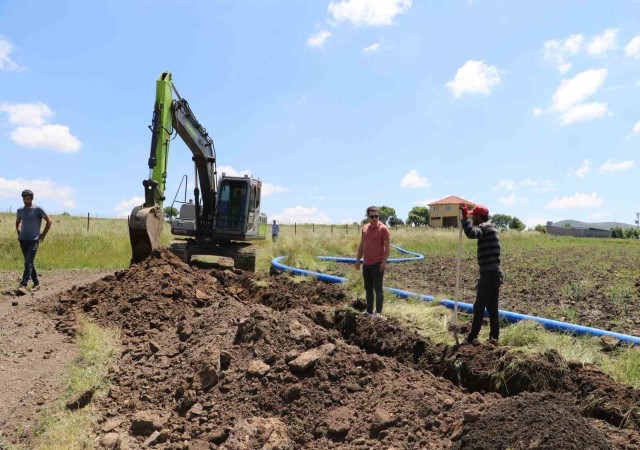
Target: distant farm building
[(444, 213), (585, 229)]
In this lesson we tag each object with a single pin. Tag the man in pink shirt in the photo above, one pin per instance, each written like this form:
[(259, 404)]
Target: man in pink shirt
[(375, 245)]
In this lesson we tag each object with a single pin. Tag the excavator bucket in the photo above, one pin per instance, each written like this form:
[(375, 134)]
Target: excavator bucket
[(145, 227)]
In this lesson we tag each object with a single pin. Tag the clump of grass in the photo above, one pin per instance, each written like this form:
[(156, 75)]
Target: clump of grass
[(431, 319), (60, 428)]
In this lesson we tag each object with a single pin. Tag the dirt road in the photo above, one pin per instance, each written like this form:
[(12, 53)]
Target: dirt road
[(33, 355)]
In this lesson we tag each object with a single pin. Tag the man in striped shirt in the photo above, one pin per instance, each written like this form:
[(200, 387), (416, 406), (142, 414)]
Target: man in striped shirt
[(490, 274)]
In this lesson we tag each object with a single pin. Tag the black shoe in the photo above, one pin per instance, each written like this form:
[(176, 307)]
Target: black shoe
[(22, 289), (468, 341)]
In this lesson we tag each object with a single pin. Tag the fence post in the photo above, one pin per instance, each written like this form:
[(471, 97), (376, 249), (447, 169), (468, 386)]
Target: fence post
[(346, 229), (313, 228), (331, 228), (295, 228), (88, 214)]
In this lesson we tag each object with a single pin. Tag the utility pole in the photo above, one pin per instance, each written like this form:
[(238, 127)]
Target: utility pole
[(638, 220)]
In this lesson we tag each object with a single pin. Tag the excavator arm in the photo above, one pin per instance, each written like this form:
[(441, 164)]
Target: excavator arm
[(146, 220)]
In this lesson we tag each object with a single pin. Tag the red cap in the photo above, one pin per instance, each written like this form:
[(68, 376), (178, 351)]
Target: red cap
[(480, 210)]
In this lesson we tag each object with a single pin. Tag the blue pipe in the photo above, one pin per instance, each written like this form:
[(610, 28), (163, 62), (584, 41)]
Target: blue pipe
[(549, 324)]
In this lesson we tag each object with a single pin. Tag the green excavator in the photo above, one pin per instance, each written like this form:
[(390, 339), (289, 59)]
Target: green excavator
[(224, 216)]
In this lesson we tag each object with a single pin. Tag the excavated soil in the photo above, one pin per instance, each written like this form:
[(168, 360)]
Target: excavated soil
[(215, 358)]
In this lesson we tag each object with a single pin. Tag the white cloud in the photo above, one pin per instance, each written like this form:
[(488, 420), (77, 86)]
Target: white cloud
[(318, 39), (53, 137), (579, 200), (474, 77), (604, 42), (632, 49), (558, 51), (571, 92), (124, 207), (46, 190), (511, 199), (372, 48), (414, 180), (581, 171), (538, 112), (586, 111), (33, 130), (636, 127), (532, 221), (231, 172), (424, 202), (368, 12), (27, 114), (507, 185), (302, 214), (599, 215), (270, 189), (576, 89), (6, 63), (609, 166)]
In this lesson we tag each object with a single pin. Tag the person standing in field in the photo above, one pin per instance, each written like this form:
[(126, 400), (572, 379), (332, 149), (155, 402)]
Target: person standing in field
[(275, 231), (28, 225), (491, 278), (375, 244)]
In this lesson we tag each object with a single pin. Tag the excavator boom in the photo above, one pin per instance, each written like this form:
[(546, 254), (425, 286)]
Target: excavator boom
[(145, 221)]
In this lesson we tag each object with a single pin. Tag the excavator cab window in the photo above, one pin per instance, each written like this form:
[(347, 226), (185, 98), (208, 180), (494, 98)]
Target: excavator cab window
[(232, 206)]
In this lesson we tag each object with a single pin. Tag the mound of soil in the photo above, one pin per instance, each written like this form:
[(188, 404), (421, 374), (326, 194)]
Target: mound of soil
[(540, 421), (217, 358)]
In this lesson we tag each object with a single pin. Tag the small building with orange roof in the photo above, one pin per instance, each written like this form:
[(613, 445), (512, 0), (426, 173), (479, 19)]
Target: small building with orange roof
[(444, 213)]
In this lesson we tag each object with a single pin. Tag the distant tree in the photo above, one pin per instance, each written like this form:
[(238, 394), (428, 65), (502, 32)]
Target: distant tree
[(617, 233), (170, 212), (516, 224), (541, 229), (567, 225), (418, 216), (631, 233), (65, 213), (387, 214), (395, 221), (501, 221)]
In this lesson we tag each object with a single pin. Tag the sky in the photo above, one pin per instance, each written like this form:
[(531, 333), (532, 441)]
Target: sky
[(531, 108)]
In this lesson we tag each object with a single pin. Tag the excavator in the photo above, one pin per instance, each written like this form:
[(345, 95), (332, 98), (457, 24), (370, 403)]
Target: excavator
[(225, 215)]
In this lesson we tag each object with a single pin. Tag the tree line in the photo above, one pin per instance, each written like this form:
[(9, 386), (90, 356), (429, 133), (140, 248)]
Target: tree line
[(419, 217)]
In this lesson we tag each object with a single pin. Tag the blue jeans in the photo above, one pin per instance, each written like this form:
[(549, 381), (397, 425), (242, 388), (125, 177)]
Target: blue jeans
[(29, 249)]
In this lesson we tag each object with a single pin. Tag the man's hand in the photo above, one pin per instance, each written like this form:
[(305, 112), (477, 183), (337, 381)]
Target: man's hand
[(464, 210), (358, 264), (41, 238), (383, 266)]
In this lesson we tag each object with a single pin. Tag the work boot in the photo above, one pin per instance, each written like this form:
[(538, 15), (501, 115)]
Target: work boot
[(468, 341), (22, 289), (377, 315), (35, 287)]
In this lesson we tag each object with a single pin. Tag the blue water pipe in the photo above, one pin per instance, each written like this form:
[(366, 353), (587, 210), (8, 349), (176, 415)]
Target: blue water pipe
[(553, 325)]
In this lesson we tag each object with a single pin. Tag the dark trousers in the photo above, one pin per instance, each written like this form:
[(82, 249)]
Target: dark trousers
[(29, 249), (486, 298), (373, 283)]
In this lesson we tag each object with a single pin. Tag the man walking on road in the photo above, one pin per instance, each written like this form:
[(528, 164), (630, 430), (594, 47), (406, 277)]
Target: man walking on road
[(490, 274), (375, 245), (28, 224)]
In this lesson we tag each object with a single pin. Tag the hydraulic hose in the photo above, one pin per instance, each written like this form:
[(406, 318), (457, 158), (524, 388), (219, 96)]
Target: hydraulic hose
[(513, 317)]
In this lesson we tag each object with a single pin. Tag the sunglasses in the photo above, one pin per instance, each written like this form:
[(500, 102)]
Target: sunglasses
[(374, 216)]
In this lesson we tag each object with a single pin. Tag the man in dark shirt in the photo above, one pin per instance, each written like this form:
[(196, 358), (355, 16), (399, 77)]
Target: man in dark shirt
[(28, 224), (490, 274)]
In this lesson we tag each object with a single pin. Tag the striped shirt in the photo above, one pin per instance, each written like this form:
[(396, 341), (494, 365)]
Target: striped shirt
[(488, 244)]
